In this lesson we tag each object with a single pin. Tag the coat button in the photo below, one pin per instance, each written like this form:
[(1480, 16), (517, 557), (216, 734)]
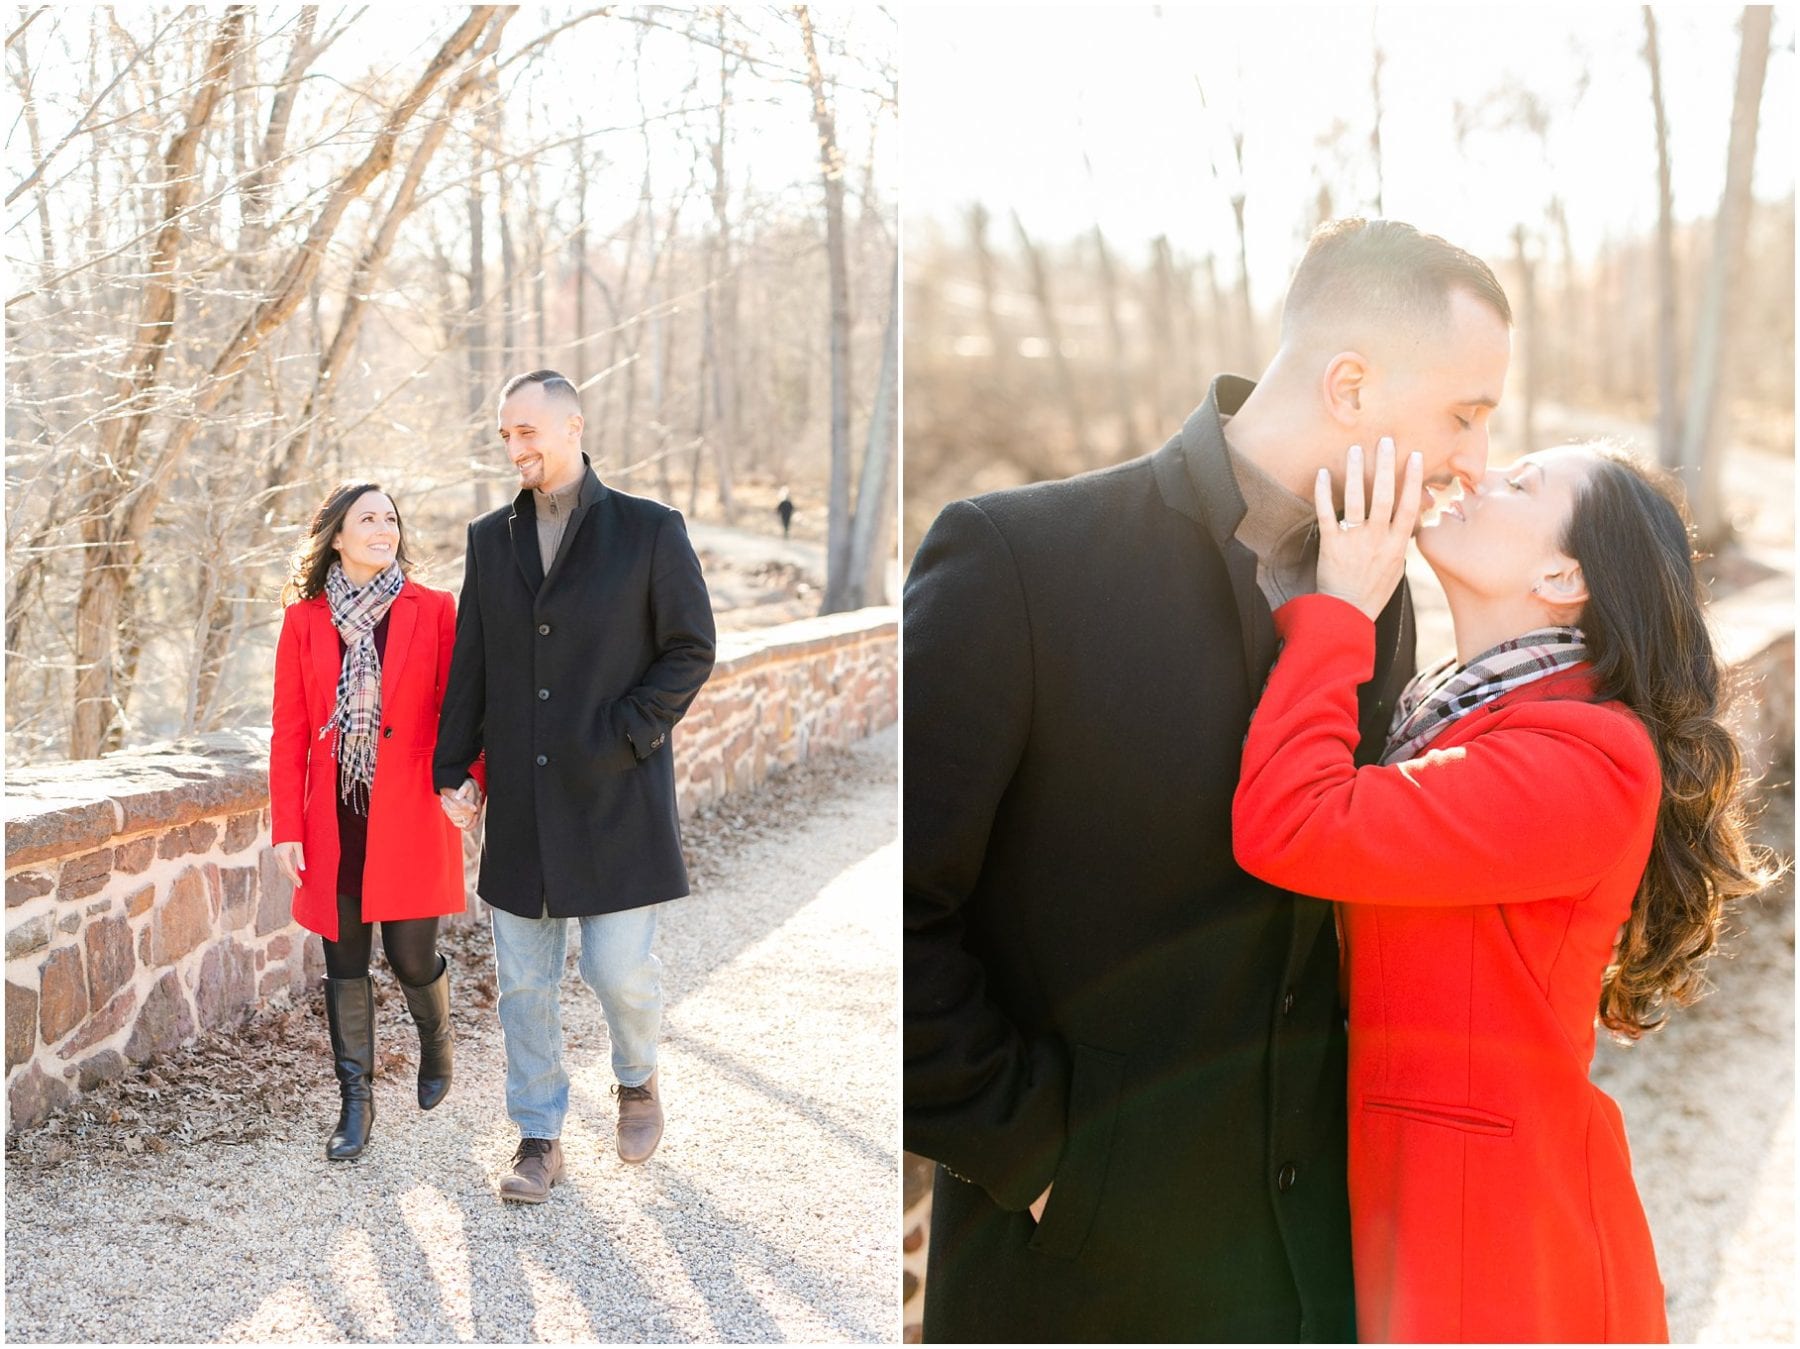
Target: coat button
[(656, 743), (1284, 1180), (543, 695), (1287, 1004), (543, 629), (386, 731), (543, 759)]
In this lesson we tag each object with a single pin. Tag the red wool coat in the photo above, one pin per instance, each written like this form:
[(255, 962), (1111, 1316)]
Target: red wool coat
[(1483, 885), (414, 867)]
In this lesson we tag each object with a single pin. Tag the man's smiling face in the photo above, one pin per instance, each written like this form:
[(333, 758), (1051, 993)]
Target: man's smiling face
[(542, 435)]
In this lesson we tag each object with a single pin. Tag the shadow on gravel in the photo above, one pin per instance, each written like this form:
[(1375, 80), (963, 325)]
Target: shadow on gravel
[(800, 1103)]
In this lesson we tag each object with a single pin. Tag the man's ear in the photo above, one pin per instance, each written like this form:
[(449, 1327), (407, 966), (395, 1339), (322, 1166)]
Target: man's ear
[(576, 423), (1342, 387), (1562, 586)]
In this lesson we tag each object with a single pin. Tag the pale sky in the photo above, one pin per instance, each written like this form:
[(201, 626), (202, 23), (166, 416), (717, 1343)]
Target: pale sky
[(1000, 102)]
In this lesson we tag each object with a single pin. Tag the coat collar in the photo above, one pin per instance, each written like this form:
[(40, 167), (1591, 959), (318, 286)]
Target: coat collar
[(1193, 472), (521, 525)]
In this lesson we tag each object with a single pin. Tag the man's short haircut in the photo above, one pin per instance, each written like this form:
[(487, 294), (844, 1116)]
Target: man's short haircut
[(1383, 271), (556, 385)]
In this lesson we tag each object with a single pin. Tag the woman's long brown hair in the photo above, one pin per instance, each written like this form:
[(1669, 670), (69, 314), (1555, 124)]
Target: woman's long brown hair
[(311, 561), (1647, 637)]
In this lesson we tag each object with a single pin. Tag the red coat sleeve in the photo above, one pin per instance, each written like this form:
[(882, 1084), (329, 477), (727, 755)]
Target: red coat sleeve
[(446, 649), (290, 740), (1541, 801)]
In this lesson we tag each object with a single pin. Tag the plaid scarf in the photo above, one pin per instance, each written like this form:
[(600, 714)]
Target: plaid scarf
[(356, 614), (1444, 693)]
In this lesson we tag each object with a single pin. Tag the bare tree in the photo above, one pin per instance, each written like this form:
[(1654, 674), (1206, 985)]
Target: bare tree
[(1668, 392), (870, 551), (121, 516), (222, 294), (1053, 338), (1701, 458), (831, 161)]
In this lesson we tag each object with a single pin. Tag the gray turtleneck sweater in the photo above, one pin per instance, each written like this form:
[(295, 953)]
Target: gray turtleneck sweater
[(553, 511)]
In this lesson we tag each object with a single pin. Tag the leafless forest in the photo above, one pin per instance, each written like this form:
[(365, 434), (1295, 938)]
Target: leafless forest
[(257, 249), (1030, 357)]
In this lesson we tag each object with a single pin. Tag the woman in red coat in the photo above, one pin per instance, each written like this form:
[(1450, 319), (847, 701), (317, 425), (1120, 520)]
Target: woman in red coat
[(356, 826), (1553, 829)]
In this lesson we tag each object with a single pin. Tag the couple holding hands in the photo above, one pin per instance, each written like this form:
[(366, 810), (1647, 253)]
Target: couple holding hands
[(583, 634), (1252, 981)]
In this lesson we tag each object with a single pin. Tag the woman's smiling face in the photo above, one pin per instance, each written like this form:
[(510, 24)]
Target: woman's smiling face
[(369, 538), (1506, 537)]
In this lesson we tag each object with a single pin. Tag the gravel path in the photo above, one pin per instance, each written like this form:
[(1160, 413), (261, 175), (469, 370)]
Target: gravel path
[(766, 1215)]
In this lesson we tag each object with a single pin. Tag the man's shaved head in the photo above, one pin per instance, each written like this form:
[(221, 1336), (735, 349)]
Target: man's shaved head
[(556, 387), (1363, 278)]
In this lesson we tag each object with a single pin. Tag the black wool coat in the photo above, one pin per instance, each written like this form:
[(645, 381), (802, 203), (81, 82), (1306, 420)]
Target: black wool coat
[(570, 683), (1095, 993)]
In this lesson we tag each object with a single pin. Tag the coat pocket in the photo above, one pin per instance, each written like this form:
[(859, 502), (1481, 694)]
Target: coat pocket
[(1467, 1118), (1080, 1180)]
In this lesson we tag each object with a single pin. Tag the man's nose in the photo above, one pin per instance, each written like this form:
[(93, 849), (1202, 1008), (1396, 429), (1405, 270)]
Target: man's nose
[(1471, 462)]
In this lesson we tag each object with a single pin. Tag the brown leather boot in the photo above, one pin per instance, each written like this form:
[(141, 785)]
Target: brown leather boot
[(537, 1165), (640, 1120)]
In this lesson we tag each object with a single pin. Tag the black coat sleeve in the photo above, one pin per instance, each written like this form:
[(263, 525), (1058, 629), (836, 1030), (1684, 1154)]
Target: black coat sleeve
[(980, 1097), (682, 621), (461, 719)]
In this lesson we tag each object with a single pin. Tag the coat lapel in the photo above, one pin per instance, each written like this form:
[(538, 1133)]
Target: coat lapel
[(402, 617), (1212, 499), (522, 526), (322, 638)]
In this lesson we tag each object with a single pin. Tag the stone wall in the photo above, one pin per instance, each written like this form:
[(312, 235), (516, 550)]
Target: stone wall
[(778, 695), (143, 905)]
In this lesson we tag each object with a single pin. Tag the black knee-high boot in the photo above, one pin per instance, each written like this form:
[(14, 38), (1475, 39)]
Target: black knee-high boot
[(430, 1008), (350, 1012)]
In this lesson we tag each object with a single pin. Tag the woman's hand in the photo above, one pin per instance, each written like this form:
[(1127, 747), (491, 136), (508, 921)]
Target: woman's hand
[(290, 859), (1363, 556), (463, 804)]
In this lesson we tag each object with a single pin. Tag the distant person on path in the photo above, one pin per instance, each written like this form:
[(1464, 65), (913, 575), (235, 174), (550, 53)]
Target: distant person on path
[(1555, 825), (786, 511), (584, 633), (1126, 1054), (356, 828)]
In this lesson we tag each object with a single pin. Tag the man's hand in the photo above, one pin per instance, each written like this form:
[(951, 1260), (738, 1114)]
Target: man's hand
[(1037, 1205), (290, 860), (1363, 556), (462, 805)]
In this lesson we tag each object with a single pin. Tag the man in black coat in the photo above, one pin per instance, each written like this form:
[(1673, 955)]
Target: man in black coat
[(1126, 1055), (583, 633)]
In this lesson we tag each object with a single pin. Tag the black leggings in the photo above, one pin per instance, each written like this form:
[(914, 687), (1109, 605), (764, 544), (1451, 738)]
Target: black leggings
[(410, 945)]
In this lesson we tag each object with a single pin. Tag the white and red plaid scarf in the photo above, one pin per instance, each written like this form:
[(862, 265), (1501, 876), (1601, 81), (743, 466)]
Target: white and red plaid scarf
[(356, 614), (1440, 695)]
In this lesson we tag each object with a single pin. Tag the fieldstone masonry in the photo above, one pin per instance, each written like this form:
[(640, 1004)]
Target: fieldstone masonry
[(143, 904)]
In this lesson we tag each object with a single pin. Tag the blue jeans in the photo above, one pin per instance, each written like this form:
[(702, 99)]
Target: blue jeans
[(617, 964)]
